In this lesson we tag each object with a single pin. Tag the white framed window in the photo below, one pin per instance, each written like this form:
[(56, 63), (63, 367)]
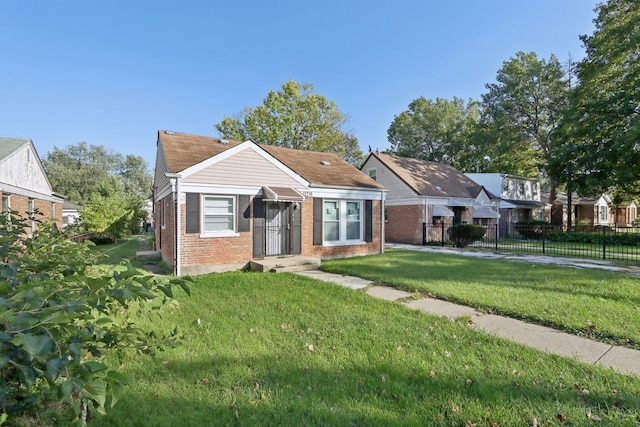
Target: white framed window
[(342, 221), (163, 214), (6, 203), (603, 214), (6, 206), (31, 209), (218, 214)]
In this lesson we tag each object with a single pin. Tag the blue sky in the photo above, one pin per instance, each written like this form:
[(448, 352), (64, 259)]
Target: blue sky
[(113, 72)]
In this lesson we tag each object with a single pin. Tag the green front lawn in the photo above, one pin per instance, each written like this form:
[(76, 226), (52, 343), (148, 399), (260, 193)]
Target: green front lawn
[(282, 350), (599, 304)]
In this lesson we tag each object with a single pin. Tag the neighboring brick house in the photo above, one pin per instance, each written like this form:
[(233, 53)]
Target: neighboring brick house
[(218, 204), (24, 186), (586, 211), (423, 195)]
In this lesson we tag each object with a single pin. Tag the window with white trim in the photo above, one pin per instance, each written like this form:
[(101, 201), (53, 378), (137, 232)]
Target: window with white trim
[(6, 206), (604, 214), (342, 221), (373, 173), (219, 214), (31, 210)]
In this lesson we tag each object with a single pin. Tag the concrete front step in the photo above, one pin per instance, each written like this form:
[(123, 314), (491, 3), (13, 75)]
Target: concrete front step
[(148, 255), (285, 264)]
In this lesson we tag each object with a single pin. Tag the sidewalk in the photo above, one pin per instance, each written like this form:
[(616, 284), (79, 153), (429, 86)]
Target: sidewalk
[(620, 359)]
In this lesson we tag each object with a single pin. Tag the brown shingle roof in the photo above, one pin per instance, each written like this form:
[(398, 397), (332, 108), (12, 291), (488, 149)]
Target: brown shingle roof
[(182, 150), (431, 178), (322, 168)]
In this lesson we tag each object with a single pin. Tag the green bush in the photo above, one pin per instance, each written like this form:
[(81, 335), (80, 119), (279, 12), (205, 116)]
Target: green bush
[(464, 234), (596, 237), (532, 229), (59, 316)]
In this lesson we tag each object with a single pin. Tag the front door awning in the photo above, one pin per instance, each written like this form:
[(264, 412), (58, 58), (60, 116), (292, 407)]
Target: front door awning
[(441, 211), (485, 212), (281, 194)]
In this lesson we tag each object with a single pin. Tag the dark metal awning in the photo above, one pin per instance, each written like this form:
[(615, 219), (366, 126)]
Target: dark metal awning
[(281, 194), (485, 212)]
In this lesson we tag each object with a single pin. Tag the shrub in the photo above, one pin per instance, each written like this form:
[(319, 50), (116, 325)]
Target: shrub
[(58, 317), (531, 228), (464, 234)]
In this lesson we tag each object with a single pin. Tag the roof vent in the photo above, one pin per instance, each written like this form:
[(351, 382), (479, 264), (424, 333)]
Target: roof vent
[(325, 163), (224, 141), (169, 132)]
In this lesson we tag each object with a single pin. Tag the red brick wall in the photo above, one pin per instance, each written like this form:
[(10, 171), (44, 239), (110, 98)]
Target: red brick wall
[(20, 203), (404, 224), (202, 254), (309, 249)]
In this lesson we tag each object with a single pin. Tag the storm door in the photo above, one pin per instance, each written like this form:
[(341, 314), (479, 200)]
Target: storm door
[(278, 228)]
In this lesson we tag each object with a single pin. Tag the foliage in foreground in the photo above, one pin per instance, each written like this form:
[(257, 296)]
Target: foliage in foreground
[(285, 350), (59, 316)]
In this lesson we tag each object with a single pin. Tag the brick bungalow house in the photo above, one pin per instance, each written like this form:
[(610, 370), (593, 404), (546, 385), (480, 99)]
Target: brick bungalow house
[(218, 204), (423, 196), (24, 186)]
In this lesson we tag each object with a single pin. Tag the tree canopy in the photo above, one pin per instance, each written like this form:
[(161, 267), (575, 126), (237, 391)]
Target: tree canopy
[(438, 131), (601, 128), (521, 111), (295, 117), (109, 187)]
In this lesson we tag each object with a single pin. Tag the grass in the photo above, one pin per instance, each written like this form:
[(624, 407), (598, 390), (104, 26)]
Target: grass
[(281, 349), (598, 304)]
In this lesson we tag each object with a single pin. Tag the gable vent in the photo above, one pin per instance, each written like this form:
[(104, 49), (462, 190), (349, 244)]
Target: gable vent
[(325, 163)]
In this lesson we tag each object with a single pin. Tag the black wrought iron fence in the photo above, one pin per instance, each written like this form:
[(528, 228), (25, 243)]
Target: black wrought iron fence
[(606, 243)]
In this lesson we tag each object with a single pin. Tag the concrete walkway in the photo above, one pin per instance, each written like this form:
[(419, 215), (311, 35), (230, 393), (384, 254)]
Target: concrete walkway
[(620, 359)]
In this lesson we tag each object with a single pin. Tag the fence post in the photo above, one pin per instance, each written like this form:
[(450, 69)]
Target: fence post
[(424, 233), (442, 232), (497, 237), (544, 232), (604, 242)]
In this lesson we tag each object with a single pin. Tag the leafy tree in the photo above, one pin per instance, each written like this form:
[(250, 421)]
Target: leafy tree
[(107, 210), (295, 117), (78, 170), (521, 112), (60, 316), (107, 185), (601, 130), (439, 131)]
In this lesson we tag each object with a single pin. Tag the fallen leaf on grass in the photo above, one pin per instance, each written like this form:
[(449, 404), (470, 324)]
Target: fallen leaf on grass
[(252, 330), (285, 326), (561, 418), (310, 347), (205, 381)]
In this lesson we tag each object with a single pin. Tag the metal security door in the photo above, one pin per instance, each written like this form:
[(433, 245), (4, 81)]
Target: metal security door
[(277, 229)]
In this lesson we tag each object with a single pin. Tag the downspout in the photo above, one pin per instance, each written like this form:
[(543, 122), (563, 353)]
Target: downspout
[(382, 219), (175, 191)]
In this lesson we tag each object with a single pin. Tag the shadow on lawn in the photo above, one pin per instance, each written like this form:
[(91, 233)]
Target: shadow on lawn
[(357, 395)]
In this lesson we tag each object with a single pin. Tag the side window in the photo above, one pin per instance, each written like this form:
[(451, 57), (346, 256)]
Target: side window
[(373, 173)]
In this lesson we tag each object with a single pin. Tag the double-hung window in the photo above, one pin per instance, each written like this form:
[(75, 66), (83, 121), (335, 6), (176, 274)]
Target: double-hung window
[(342, 221), (219, 214)]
